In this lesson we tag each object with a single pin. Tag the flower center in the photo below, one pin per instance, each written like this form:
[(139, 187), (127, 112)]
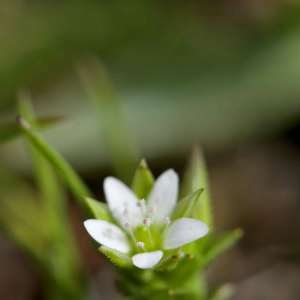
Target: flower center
[(147, 236)]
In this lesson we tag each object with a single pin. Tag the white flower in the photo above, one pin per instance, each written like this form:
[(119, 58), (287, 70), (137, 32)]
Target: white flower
[(145, 229)]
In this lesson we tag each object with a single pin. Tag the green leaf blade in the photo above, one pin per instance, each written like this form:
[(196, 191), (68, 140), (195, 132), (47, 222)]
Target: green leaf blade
[(195, 178), (185, 207)]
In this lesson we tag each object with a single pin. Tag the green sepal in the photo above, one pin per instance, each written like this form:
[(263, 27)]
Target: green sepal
[(170, 261), (217, 246), (143, 180), (186, 206), (120, 259), (99, 209), (195, 178)]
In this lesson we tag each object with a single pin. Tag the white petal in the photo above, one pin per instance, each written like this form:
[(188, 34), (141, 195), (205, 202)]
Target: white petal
[(163, 197), (122, 202), (147, 260), (184, 231), (107, 234)]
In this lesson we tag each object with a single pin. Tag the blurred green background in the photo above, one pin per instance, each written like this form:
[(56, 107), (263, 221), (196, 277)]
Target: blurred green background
[(169, 74)]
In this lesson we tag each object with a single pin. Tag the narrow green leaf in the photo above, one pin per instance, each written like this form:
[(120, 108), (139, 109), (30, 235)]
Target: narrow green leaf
[(195, 178), (221, 244), (52, 194), (185, 207), (118, 258), (51, 191), (64, 169), (143, 180), (22, 218), (99, 209), (111, 117)]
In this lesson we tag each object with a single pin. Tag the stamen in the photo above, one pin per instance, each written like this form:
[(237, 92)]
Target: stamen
[(129, 230), (140, 245), (167, 221), (143, 207), (147, 223)]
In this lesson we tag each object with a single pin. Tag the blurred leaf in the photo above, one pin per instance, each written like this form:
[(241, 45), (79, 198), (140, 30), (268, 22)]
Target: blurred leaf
[(195, 178), (99, 209), (118, 258), (218, 245), (23, 218), (63, 168), (225, 292), (11, 130), (51, 191), (143, 180), (60, 254), (111, 118)]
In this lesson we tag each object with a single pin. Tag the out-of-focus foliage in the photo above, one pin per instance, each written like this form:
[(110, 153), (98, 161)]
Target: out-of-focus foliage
[(121, 145), (38, 222), (185, 72)]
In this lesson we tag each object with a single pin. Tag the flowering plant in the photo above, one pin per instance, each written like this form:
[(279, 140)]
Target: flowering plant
[(159, 245), (161, 248)]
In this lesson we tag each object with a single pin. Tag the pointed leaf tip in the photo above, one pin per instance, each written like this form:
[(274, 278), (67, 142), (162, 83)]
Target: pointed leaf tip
[(196, 177), (143, 180), (22, 122), (143, 163)]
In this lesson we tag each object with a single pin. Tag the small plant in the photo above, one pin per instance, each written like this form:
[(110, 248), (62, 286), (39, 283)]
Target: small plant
[(159, 245), (159, 234), (161, 249)]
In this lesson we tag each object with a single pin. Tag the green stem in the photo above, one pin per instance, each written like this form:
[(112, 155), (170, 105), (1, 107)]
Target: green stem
[(147, 285)]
